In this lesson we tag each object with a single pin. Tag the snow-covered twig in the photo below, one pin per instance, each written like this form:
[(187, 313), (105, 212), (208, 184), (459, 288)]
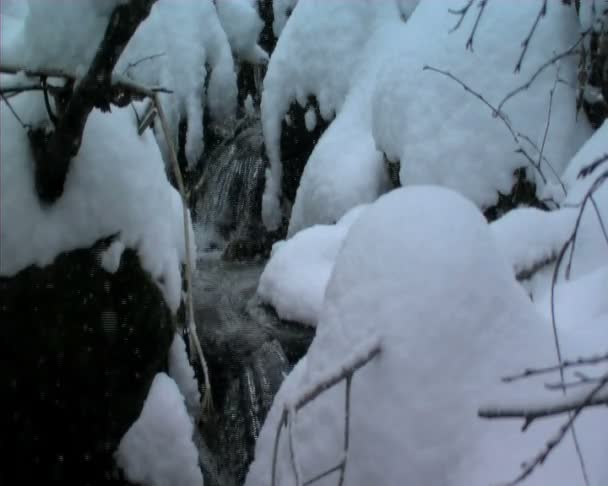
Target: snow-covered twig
[(357, 360), (120, 83), (191, 325), (582, 361), (598, 396)]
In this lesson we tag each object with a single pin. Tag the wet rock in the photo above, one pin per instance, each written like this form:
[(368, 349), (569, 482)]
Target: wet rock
[(83, 347)]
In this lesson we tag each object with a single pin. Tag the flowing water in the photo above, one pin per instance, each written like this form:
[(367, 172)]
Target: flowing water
[(248, 348)]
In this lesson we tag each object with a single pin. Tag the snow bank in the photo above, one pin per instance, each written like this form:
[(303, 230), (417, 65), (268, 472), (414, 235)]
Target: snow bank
[(182, 372), (421, 271), (318, 54), (116, 184), (443, 135), (296, 275), (242, 25), (172, 48), (61, 34), (158, 450), (529, 237)]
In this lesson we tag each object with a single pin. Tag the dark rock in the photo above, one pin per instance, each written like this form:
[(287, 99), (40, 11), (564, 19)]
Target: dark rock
[(297, 143), (81, 348), (523, 193)]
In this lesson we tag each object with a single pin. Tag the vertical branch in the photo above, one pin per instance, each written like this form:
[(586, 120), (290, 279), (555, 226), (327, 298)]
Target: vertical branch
[(191, 325)]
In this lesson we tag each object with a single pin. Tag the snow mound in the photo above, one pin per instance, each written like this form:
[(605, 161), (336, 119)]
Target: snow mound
[(73, 46), (345, 169), (443, 135), (179, 46), (182, 372), (296, 275), (421, 272), (532, 239), (158, 450), (242, 25), (317, 54), (116, 185)]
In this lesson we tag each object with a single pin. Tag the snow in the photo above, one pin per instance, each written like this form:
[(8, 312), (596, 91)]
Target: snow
[(158, 450), (72, 47), (242, 25), (443, 135), (185, 38), (281, 11), (295, 277), (420, 270), (529, 237), (116, 185), (345, 169), (318, 54), (182, 372)]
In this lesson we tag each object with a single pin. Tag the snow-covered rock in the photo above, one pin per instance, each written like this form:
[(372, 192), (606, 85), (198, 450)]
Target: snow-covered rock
[(158, 450), (179, 46), (116, 185), (444, 135), (420, 271), (295, 277), (242, 25), (317, 54), (182, 373)]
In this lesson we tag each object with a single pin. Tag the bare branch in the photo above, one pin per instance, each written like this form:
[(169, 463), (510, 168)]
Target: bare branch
[(582, 361), (131, 65), (358, 359), (590, 168), (571, 51), (541, 13), (495, 112), (598, 396), (462, 12), (191, 325)]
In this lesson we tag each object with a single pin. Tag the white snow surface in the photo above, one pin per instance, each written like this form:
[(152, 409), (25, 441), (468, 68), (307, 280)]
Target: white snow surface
[(318, 54), (421, 271), (182, 372), (529, 237), (295, 277), (242, 25), (116, 184), (158, 450), (281, 10), (172, 48), (446, 136), (71, 47)]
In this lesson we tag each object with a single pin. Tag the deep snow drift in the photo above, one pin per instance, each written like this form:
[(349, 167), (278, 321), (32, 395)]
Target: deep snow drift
[(421, 271)]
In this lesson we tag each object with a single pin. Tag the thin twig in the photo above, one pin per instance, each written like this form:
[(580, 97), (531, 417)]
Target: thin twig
[(529, 414), (462, 12), (568, 52), (495, 112), (582, 361), (482, 8), (131, 65), (207, 398), (25, 126), (541, 13)]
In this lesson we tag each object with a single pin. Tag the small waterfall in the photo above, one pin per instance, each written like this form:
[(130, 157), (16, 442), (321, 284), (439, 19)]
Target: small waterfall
[(228, 194)]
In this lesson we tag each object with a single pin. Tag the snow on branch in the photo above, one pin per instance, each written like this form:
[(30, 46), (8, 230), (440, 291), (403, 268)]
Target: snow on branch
[(54, 150), (572, 405), (582, 361), (496, 112), (359, 358)]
